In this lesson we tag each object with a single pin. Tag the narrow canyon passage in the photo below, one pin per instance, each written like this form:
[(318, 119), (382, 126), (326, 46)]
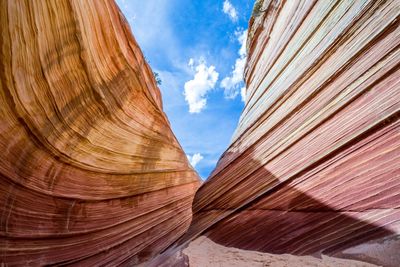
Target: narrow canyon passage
[(92, 174)]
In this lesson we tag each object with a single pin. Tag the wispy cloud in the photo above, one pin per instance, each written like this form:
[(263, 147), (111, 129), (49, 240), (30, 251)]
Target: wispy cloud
[(233, 83), (243, 94), (194, 159), (147, 33), (191, 63), (204, 80), (230, 10)]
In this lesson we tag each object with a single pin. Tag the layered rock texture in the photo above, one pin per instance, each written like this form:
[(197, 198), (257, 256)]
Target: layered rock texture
[(314, 165), (90, 172)]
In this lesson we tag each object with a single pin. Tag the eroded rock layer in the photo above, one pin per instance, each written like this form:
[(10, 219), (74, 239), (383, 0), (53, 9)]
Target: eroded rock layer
[(314, 165), (90, 171)]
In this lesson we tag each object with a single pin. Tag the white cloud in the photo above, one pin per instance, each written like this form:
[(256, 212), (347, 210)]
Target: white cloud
[(243, 94), (196, 158), (191, 63), (230, 10), (232, 83), (196, 90), (242, 39)]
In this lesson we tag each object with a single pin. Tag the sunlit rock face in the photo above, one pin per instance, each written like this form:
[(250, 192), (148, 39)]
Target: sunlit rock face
[(314, 165), (90, 171)]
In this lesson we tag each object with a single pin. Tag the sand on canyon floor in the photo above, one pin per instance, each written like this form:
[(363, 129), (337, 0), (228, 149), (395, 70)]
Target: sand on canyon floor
[(203, 252)]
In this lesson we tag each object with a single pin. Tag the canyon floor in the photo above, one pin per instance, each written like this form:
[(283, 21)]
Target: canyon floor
[(203, 252)]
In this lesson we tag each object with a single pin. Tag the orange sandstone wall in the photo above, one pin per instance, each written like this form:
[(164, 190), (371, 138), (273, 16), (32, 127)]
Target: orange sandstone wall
[(314, 165), (90, 171)]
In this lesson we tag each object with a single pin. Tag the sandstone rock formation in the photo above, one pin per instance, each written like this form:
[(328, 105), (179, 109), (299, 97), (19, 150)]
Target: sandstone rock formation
[(90, 171), (314, 165)]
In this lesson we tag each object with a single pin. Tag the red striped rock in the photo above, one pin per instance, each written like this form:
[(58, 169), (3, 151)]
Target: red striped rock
[(90, 171), (314, 165)]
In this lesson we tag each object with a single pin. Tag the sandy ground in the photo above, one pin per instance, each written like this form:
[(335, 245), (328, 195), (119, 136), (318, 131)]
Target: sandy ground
[(203, 252), (384, 251)]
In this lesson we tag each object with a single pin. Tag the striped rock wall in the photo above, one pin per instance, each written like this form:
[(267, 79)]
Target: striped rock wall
[(314, 165), (90, 171)]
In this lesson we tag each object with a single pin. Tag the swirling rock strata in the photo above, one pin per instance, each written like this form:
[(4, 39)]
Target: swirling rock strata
[(314, 165), (90, 171)]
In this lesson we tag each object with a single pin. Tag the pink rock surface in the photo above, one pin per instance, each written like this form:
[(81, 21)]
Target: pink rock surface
[(314, 165)]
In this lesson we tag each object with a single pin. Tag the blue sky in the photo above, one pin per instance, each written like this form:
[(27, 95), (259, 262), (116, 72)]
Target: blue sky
[(197, 48)]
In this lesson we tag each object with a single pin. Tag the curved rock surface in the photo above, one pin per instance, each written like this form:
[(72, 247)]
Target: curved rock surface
[(90, 171), (314, 165)]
